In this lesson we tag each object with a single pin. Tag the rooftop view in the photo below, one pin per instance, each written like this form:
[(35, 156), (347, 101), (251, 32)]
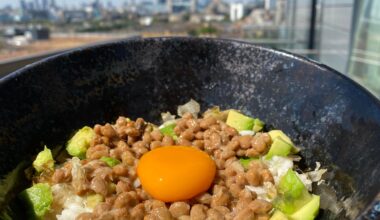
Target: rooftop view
[(339, 33)]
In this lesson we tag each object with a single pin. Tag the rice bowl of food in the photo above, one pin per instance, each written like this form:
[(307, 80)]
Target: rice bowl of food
[(265, 135)]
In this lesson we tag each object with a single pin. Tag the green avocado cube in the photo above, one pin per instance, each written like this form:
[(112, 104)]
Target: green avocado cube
[(279, 147), (239, 121), (278, 133), (258, 125), (309, 211), (80, 142), (169, 130), (291, 185), (292, 193), (37, 199), (44, 160), (278, 215), (110, 161)]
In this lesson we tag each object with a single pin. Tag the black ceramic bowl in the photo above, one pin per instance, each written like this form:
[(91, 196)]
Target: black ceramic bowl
[(334, 119)]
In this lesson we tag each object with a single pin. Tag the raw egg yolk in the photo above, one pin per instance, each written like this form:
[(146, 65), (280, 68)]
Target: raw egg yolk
[(175, 173)]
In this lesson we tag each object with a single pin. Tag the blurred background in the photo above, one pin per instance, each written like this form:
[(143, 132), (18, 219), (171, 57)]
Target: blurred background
[(344, 34)]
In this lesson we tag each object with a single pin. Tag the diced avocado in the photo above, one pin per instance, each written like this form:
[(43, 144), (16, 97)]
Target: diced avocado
[(239, 121), (216, 113), (292, 193), (44, 160), (278, 215), (80, 142), (93, 200), (279, 147), (245, 161), (169, 130), (289, 205), (38, 200), (278, 133), (291, 185), (110, 161), (308, 211), (258, 125)]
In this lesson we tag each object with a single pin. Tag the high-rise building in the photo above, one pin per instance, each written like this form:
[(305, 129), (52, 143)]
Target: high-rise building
[(37, 4), (236, 11), (45, 4), (53, 4), (23, 5), (280, 12), (169, 5), (270, 5), (181, 5), (194, 6)]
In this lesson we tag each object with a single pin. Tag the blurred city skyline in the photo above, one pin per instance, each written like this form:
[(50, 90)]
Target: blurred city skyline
[(70, 3), (341, 33), (76, 3)]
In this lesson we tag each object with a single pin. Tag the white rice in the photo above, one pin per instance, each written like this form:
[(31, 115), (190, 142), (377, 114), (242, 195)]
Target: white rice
[(73, 206)]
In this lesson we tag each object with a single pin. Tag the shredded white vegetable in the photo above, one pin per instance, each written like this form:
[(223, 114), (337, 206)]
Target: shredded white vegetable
[(247, 132), (316, 174), (67, 202), (192, 106), (61, 192), (166, 116), (266, 192), (78, 174), (278, 166), (306, 181), (312, 176), (295, 158), (73, 207)]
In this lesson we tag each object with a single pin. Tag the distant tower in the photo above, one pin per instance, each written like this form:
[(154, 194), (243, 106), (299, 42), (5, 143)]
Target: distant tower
[(23, 5), (109, 5), (280, 12), (45, 4), (37, 5), (236, 11), (53, 4), (193, 6), (169, 5)]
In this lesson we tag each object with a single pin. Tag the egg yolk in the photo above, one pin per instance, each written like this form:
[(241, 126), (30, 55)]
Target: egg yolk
[(175, 173)]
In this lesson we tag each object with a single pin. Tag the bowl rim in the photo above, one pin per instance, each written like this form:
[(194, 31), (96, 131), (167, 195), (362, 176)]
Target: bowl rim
[(281, 52)]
